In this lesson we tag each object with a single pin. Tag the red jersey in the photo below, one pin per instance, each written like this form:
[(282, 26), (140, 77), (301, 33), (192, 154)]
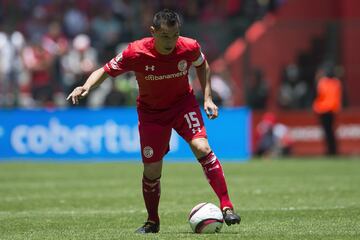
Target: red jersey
[(162, 79)]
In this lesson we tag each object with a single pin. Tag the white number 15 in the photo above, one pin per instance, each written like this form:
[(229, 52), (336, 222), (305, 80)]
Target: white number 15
[(192, 120)]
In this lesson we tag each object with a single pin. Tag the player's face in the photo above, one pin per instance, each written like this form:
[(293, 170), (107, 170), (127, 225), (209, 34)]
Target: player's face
[(166, 38)]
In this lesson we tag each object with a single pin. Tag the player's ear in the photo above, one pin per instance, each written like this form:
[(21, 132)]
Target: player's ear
[(152, 30)]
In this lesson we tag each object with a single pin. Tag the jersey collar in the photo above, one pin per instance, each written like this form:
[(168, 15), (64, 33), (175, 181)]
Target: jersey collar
[(157, 54)]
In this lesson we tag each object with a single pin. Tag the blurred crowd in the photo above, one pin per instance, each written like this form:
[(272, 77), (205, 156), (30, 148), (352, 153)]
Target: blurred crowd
[(49, 46), (297, 84)]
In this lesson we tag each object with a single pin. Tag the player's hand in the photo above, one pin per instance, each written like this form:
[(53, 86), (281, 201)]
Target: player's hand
[(211, 109), (77, 93)]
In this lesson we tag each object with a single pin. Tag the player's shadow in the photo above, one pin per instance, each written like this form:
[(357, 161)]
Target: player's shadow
[(202, 234)]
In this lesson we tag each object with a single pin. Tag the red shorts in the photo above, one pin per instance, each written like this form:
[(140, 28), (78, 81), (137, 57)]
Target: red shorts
[(155, 128)]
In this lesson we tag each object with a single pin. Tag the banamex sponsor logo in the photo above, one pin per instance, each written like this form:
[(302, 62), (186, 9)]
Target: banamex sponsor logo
[(152, 77)]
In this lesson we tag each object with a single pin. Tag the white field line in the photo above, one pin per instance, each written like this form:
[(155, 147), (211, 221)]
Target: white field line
[(68, 212), (131, 211)]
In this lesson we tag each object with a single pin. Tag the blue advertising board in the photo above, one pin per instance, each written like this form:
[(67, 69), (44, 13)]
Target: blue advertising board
[(108, 134)]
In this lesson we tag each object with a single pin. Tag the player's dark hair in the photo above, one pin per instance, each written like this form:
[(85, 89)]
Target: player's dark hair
[(167, 17)]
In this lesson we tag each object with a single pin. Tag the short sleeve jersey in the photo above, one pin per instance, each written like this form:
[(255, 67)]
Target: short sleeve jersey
[(162, 79)]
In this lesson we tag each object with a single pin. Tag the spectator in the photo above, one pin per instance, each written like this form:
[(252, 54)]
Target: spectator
[(293, 91), (38, 61), (56, 44), (257, 93), (107, 31), (327, 104), (54, 41), (222, 89), (11, 45), (53, 24), (78, 62), (75, 21), (273, 138), (283, 140), (124, 12), (115, 97), (36, 25)]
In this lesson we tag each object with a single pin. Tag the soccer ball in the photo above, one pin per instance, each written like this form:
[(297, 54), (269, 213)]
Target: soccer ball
[(206, 218)]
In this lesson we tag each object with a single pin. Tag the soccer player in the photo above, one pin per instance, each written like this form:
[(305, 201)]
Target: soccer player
[(166, 101)]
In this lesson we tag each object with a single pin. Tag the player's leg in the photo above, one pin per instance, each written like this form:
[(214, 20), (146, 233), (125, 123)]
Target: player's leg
[(189, 124), (151, 194), (214, 173), (151, 189), (154, 141), (212, 169)]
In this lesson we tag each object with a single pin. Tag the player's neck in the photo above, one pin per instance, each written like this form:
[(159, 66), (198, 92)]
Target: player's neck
[(161, 51)]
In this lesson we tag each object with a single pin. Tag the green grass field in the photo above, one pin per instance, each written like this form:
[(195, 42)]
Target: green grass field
[(278, 199)]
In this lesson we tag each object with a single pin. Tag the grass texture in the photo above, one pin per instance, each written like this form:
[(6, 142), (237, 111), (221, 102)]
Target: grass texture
[(277, 199)]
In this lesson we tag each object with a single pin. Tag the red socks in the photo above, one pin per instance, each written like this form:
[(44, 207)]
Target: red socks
[(215, 175), (151, 193), (213, 172)]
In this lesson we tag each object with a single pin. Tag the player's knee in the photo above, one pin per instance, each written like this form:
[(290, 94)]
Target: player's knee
[(202, 150), (152, 170), (200, 147), (205, 150)]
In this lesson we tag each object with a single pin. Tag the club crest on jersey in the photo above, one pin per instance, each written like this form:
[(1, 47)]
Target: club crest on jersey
[(149, 68), (148, 152), (182, 65)]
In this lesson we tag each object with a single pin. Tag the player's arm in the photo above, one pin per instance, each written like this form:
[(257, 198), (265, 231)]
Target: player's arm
[(203, 73), (94, 80), (121, 63)]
